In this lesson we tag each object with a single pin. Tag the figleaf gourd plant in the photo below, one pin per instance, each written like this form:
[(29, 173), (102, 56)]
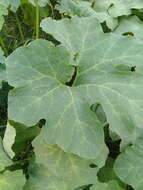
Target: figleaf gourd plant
[(73, 98)]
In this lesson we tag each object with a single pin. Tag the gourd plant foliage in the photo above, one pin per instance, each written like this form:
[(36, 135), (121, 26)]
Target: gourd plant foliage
[(71, 105)]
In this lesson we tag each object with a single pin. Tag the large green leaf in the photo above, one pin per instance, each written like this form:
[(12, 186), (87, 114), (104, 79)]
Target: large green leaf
[(105, 64), (128, 165), (39, 72), (12, 180), (104, 76)]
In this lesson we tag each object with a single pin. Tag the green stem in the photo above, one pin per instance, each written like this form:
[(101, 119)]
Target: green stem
[(37, 19), (20, 28), (3, 47)]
